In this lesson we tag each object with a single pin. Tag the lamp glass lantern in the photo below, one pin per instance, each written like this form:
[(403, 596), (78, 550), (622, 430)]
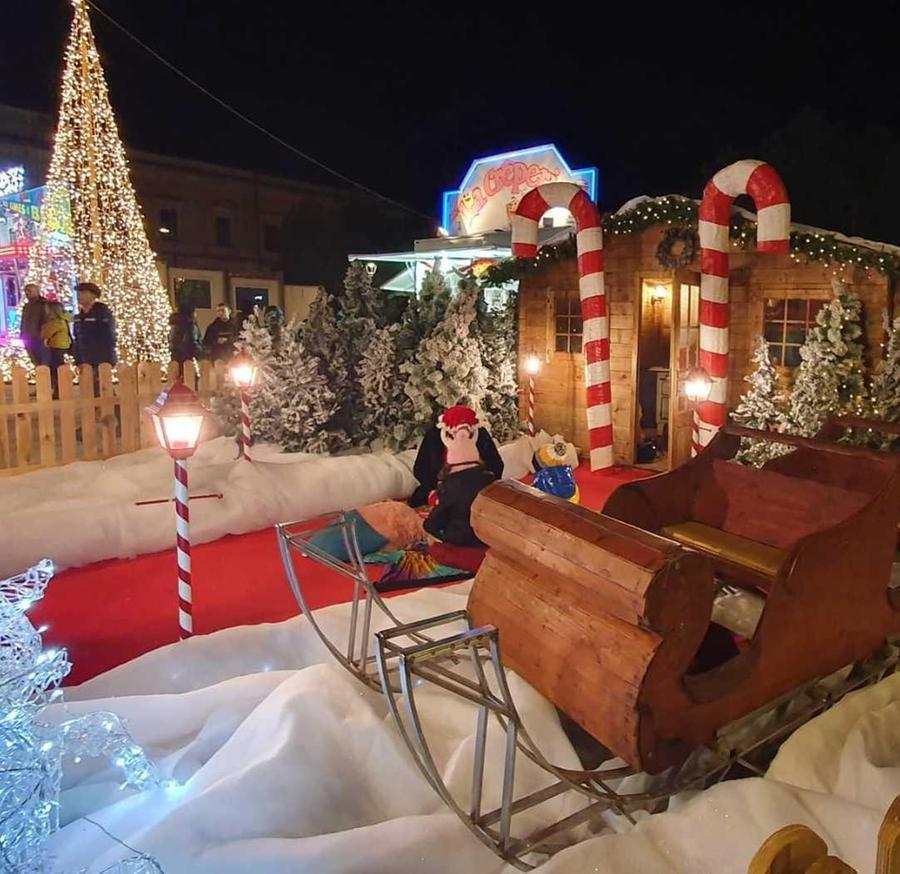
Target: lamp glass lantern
[(659, 293), (243, 371), (177, 416), (698, 385), (532, 365)]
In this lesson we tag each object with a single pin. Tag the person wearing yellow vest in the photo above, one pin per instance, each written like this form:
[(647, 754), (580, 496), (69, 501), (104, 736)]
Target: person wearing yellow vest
[(57, 339)]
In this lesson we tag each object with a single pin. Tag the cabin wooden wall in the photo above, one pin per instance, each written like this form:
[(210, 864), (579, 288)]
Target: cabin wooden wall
[(629, 260)]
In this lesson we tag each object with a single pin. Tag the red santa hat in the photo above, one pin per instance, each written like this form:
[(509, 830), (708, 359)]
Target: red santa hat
[(459, 433)]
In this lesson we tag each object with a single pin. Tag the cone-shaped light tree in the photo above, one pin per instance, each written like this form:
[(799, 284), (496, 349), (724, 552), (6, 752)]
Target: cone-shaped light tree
[(109, 242)]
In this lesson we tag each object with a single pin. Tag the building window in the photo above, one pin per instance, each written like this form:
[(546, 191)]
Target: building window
[(568, 322), (246, 298), (223, 231), (786, 322), (272, 238), (168, 223), (193, 292)]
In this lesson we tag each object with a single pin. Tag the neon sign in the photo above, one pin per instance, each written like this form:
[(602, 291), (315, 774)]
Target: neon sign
[(493, 186), (12, 180)]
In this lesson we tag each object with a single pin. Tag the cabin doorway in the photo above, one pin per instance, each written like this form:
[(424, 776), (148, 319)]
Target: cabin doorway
[(653, 371), (685, 355)]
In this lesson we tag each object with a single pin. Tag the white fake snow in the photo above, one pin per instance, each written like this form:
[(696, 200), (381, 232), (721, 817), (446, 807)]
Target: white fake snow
[(289, 764), (86, 511)]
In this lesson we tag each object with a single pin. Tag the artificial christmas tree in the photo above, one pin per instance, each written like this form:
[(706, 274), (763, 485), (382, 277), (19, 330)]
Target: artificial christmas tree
[(884, 396), (359, 299), (291, 402), (497, 342), (89, 169), (759, 408), (447, 366), (831, 377), (387, 420), (323, 338)]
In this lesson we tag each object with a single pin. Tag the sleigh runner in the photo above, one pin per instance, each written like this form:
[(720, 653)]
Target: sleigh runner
[(612, 617)]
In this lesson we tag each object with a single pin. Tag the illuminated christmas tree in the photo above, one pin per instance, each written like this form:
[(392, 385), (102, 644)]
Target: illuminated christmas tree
[(109, 243)]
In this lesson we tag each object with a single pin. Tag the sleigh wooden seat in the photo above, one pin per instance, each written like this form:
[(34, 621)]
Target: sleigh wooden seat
[(611, 620)]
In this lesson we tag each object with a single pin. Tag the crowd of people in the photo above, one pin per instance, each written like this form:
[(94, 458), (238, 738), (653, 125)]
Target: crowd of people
[(49, 332)]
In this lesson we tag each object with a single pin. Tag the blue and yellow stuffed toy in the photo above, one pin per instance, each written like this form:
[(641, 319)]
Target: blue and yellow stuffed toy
[(554, 474)]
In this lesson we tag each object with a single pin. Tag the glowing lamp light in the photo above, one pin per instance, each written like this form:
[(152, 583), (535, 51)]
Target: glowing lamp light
[(697, 386), (371, 267), (532, 365), (165, 230), (243, 371), (659, 293), (177, 416), (442, 231)]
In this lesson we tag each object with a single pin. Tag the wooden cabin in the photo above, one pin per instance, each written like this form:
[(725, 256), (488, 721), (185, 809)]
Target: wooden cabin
[(654, 334)]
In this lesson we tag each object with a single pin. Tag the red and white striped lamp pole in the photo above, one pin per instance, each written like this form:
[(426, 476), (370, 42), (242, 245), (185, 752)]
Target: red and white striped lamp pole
[(532, 366), (243, 375), (697, 387), (178, 416)]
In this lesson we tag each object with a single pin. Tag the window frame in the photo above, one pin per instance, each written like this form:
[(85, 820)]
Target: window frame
[(222, 222), (567, 310), (784, 323)]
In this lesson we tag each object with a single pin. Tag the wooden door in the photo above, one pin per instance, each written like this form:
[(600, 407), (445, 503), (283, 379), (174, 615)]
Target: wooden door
[(685, 355)]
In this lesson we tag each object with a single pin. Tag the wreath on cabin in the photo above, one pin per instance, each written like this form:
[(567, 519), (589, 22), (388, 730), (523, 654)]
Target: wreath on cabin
[(677, 248)]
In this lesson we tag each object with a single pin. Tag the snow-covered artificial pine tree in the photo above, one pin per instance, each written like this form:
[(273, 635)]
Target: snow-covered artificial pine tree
[(497, 340), (387, 419), (759, 407), (359, 299), (831, 376), (323, 339), (423, 313), (447, 366), (291, 402), (884, 395)]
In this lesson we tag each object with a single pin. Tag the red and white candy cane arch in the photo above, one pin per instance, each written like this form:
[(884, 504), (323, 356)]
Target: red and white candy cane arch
[(593, 298), (773, 227)]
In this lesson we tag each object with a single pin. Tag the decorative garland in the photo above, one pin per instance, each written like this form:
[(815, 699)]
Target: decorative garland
[(687, 243), (681, 212)]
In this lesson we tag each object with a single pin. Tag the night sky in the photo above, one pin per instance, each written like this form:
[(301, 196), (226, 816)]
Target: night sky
[(401, 96)]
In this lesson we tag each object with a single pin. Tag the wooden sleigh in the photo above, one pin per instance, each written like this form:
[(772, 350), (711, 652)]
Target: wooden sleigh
[(610, 617)]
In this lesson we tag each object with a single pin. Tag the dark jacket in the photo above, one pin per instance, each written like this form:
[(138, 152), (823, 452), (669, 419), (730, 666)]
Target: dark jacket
[(218, 341), (34, 314), (430, 460), (95, 336), (184, 337), (450, 520)]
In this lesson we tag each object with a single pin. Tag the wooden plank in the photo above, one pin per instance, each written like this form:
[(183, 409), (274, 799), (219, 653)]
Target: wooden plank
[(888, 858), (791, 850), (5, 425), (108, 421), (173, 373), (207, 376), (128, 407), (88, 412), (23, 420), (66, 416), (149, 383), (44, 404), (190, 375)]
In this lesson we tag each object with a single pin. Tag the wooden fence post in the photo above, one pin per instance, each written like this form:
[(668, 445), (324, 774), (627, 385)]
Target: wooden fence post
[(23, 419), (67, 438), (88, 412), (46, 413)]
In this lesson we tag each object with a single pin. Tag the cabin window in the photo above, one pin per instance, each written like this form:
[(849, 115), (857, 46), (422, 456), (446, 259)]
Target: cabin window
[(569, 328), (786, 322)]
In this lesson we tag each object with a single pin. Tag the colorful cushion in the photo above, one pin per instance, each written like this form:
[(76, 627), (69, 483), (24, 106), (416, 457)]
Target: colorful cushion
[(331, 538)]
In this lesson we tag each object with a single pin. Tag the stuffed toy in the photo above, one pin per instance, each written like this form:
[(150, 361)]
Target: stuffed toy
[(554, 474), (463, 476)]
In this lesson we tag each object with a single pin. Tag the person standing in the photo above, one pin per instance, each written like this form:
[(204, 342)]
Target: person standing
[(57, 340), (95, 329), (34, 314), (184, 336), (218, 341)]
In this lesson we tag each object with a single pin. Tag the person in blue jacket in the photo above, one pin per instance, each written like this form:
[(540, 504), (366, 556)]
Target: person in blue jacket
[(95, 328)]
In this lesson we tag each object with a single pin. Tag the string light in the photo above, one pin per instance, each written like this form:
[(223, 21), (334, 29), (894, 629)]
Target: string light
[(90, 170), (33, 749)]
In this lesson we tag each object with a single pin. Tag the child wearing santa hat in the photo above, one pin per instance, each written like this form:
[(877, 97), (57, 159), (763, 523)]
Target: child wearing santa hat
[(463, 476)]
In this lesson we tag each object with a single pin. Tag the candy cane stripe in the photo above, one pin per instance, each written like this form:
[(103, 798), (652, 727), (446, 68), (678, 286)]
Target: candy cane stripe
[(183, 549), (773, 212)]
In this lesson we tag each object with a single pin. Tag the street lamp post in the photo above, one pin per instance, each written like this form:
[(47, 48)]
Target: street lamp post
[(178, 416), (243, 375), (532, 366), (697, 388)]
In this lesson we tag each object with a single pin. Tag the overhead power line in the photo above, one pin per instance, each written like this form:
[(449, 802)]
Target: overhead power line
[(236, 112)]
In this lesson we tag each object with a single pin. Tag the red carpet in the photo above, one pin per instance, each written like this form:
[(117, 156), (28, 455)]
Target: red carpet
[(108, 613)]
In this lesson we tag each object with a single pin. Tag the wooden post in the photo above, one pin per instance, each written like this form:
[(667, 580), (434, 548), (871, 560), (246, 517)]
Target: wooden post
[(888, 859), (107, 412), (128, 407), (88, 413), (4, 431), (149, 379), (45, 405), (23, 419), (67, 415)]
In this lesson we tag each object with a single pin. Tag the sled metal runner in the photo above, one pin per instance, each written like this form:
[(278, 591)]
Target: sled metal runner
[(746, 744)]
